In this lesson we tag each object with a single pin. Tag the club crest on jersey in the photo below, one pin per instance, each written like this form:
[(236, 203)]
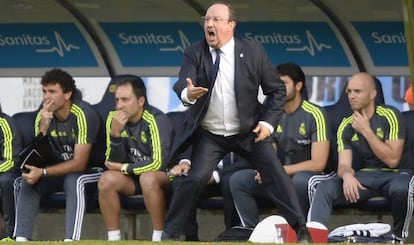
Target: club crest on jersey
[(302, 129), (144, 138)]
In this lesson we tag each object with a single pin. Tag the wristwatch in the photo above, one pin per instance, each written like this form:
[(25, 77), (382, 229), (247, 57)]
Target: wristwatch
[(44, 172), (124, 169)]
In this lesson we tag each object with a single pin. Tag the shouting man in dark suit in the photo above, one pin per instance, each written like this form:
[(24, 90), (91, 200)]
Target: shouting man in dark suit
[(219, 80)]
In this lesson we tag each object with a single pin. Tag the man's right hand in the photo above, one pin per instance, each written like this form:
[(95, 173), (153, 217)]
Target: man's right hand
[(180, 169), (118, 123), (47, 116), (351, 187), (194, 93)]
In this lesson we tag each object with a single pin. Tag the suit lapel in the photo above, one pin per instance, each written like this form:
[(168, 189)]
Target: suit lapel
[(238, 59), (208, 66), (200, 107)]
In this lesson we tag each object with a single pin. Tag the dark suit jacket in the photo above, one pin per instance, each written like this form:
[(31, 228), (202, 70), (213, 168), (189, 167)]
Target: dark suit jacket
[(252, 69)]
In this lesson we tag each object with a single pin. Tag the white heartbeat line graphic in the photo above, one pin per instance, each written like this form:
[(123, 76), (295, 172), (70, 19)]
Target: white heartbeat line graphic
[(184, 43), (312, 44), (61, 46)]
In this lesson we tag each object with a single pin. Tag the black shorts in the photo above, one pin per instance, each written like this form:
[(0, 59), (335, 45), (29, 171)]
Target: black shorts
[(138, 190)]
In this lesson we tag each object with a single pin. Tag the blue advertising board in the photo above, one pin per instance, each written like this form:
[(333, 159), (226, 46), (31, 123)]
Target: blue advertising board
[(151, 44), (385, 42), (43, 45), (162, 44), (305, 43)]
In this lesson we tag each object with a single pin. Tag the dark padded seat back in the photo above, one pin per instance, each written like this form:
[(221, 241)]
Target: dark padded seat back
[(25, 125), (176, 118), (409, 120), (107, 102), (339, 110)]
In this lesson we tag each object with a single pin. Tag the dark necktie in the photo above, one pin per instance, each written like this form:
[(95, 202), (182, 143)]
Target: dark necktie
[(213, 76), (216, 65)]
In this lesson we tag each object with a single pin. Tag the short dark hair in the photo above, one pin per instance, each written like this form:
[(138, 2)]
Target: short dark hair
[(61, 77), (293, 71), (137, 84)]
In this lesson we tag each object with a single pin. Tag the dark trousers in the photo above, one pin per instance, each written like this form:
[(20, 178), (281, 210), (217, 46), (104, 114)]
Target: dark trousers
[(208, 150), (7, 201), (397, 187), (29, 197), (231, 217)]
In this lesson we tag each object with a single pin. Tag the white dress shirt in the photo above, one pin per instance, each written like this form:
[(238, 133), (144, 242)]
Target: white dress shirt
[(221, 117)]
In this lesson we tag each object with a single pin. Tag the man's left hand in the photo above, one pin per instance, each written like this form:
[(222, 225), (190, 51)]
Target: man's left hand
[(113, 165)]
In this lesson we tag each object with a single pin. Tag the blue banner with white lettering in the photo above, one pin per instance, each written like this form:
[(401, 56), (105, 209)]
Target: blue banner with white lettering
[(44, 45), (311, 44), (305, 43), (385, 42), (151, 44)]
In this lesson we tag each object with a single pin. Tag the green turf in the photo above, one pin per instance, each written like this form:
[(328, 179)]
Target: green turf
[(140, 242), (95, 242)]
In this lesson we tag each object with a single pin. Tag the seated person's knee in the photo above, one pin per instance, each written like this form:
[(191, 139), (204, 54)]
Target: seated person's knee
[(299, 180), (153, 180), (107, 180), (241, 179), (329, 186)]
